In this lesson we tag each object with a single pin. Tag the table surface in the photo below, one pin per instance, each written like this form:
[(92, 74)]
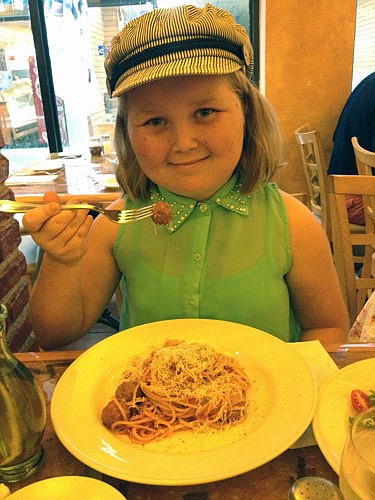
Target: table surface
[(271, 481), (78, 180)]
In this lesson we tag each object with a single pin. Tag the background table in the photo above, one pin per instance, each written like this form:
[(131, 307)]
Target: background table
[(78, 181)]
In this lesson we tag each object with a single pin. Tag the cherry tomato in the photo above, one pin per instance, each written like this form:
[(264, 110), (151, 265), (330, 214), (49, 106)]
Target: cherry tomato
[(360, 400)]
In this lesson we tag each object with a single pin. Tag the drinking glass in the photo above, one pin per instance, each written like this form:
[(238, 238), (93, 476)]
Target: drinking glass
[(357, 471)]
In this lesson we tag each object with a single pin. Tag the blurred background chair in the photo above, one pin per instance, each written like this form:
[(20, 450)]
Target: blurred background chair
[(315, 168), (315, 173), (356, 287), (365, 161)]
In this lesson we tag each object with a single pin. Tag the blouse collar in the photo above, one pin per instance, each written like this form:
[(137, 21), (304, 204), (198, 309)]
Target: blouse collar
[(229, 197)]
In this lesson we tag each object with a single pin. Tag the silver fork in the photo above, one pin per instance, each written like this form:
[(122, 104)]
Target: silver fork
[(119, 216)]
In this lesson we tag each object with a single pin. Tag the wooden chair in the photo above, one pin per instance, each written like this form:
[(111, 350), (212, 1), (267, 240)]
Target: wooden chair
[(302, 197), (365, 161), (356, 287), (315, 168), (315, 172)]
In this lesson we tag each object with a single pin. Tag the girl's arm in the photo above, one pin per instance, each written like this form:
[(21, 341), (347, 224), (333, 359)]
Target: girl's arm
[(315, 291), (78, 274)]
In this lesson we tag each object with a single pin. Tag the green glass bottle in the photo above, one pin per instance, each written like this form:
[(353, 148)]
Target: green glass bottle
[(22, 414)]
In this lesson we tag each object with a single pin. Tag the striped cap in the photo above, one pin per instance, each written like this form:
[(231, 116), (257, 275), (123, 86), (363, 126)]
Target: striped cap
[(179, 41)]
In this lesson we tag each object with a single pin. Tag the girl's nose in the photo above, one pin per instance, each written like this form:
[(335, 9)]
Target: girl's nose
[(183, 138)]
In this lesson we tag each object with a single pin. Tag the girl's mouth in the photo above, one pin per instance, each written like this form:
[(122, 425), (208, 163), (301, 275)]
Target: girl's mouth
[(187, 163)]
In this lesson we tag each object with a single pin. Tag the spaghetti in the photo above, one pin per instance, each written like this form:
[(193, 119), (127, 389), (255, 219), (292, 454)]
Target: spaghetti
[(178, 386)]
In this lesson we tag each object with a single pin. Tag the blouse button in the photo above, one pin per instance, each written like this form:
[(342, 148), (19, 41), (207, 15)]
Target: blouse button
[(203, 207), (197, 257), (192, 303)]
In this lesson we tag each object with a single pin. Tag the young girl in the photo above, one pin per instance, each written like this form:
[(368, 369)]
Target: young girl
[(191, 130)]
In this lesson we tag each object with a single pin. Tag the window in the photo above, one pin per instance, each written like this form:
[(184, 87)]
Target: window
[(21, 112), (364, 47)]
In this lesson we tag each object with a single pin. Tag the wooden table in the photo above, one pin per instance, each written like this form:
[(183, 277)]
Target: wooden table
[(270, 481), (76, 181)]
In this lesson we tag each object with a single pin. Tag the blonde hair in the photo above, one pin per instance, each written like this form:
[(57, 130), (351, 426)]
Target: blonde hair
[(261, 152)]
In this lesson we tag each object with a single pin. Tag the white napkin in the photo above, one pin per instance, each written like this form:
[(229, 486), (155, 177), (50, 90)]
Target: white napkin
[(322, 366), (363, 328), (25, 180)]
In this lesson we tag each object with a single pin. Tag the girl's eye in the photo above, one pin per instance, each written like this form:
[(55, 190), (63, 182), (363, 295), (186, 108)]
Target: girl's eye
[(154, 122), (206, 112)]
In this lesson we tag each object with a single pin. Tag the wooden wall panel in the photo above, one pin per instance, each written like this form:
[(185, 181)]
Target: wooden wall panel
[(308, 55)]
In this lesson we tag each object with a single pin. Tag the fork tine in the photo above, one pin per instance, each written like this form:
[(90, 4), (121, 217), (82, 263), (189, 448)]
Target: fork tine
[(134, 218), (135, 215), (135, 211)]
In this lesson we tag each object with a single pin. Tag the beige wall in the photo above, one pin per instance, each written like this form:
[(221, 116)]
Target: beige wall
[(308, 61)]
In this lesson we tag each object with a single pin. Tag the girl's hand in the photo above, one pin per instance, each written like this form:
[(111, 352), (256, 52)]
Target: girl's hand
[(61, 234)]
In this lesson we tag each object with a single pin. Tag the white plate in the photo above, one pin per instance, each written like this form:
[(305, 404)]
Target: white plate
[(283, 401), (67, 487), (331, 419), (108, 181), (25, 180), (47, 166)]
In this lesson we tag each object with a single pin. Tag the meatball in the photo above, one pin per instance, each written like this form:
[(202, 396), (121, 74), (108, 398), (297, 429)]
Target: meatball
[(125, 391), (162, 213), (110, 414)]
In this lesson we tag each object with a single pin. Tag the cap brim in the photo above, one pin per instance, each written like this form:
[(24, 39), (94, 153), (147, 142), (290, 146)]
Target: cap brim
[(189, 66)]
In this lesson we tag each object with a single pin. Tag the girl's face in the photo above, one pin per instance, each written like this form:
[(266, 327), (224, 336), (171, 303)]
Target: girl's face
[(187, 133)]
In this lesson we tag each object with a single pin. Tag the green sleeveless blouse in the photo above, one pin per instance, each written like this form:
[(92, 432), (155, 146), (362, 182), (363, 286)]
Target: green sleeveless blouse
[(225, 258)]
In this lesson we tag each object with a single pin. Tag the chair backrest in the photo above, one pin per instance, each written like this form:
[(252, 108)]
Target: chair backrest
[(355, 288), (365, 161), (315, 169)]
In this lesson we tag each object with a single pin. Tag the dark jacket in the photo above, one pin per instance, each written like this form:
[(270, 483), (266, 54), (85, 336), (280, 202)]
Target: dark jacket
[(357, 119)]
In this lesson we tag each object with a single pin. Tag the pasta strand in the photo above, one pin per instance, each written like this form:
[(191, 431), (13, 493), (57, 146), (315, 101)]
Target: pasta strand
[(178, 386)]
